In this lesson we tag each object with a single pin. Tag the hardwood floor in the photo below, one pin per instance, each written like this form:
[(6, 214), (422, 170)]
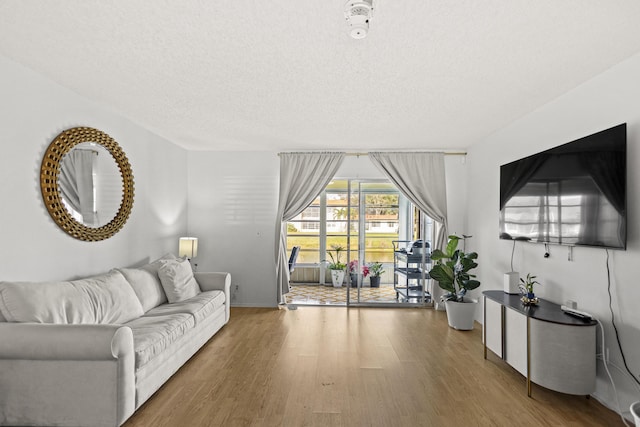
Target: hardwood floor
[(332, 366)]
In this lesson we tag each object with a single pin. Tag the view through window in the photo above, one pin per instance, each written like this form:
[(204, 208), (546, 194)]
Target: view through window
[(365, 216)]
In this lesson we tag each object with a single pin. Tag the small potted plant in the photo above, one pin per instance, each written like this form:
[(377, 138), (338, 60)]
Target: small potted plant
[(526, 288), (336, 266), (353, 273), (451, 271), (374, 271)]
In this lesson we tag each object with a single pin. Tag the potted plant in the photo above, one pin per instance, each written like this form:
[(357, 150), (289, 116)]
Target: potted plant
[(374, 271), (526, 287), (336, 266), (452, 271), (353, 273)]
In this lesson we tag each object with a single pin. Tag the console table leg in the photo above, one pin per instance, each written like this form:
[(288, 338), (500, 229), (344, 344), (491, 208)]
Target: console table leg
[(484, 326), (528, 357)]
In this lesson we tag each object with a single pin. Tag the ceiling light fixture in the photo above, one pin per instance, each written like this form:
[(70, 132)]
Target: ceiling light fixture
[(358, 13)]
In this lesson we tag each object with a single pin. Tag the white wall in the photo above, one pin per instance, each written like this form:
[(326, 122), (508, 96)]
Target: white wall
[(33, 111), (233, 200), (607, 100)]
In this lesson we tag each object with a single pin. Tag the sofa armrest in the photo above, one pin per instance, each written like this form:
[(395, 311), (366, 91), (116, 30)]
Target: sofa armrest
[(84, 373), (42, 341), (211, 281)]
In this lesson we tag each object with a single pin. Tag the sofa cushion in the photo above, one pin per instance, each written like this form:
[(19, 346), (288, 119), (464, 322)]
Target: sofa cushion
[(106, 299), (177, 280), (146, 283), (200, 306), (153, 334)]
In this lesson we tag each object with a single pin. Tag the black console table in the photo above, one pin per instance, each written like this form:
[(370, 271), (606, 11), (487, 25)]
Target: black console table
[(549, 347)]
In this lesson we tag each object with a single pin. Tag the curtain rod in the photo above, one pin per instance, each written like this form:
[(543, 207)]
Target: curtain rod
[(446, 153)]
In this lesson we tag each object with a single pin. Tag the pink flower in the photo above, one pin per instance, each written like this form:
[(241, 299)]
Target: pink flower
[(353, 266), (365, 271)]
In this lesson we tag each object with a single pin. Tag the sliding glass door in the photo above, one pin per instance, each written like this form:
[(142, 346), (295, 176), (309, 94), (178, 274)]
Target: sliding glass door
[(365, 219), (380, 216)]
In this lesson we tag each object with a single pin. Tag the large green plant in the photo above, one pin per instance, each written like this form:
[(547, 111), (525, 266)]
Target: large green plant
[(452, 270)]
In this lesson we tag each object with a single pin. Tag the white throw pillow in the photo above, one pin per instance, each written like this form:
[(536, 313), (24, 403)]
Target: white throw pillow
[(106, 299), (177, 280), (146, 283)]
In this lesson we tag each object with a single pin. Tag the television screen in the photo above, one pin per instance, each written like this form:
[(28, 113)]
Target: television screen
[(573, 194)]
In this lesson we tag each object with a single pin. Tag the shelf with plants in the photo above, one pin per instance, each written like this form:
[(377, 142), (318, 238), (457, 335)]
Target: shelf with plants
[(410, 278)]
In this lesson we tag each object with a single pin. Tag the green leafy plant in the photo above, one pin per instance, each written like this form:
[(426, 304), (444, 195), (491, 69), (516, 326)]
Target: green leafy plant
[(526, 286), (451, 270), (375, 269), (336, 263)]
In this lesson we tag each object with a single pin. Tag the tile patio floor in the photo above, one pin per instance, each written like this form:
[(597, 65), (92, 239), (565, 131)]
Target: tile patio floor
[(315, 294)]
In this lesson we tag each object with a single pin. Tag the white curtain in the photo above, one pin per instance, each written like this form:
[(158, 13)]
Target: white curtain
[(76, 183), (303, 176), (420, 177)]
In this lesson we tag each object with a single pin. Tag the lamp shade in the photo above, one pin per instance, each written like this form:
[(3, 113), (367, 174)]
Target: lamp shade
[(188, 247)]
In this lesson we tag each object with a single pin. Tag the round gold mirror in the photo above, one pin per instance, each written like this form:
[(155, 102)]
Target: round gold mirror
[(87, 184)]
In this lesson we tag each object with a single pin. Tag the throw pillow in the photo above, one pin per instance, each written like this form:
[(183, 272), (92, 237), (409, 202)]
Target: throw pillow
[(177, 280), (146, 283), (106, 299)]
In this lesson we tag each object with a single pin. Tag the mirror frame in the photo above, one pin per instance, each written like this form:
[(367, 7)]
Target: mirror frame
[(50, 172)]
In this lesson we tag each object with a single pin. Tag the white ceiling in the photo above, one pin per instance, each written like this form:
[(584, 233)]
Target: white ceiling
[(285, 75)]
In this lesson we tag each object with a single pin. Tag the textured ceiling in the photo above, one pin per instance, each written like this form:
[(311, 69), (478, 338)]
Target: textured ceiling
[(285, 75)]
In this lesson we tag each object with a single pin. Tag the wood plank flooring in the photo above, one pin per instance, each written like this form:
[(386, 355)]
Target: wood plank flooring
[(332, 366)]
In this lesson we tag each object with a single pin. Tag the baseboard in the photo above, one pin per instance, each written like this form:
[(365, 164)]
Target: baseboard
[(253, 305)]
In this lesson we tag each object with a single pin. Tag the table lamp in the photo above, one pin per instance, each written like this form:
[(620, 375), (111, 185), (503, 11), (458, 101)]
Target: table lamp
[(188, 247)]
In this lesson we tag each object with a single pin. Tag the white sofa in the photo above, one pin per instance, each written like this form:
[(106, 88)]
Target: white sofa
[(90, 352)]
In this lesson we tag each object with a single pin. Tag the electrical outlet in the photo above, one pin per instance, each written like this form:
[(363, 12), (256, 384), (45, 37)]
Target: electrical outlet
[(237, 287)]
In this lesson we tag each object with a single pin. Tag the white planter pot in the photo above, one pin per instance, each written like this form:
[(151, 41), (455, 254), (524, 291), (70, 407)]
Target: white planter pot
[(337, 277), (461, 314)]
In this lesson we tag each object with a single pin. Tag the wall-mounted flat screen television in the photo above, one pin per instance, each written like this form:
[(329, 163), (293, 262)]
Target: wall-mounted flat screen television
[(573, 194)]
